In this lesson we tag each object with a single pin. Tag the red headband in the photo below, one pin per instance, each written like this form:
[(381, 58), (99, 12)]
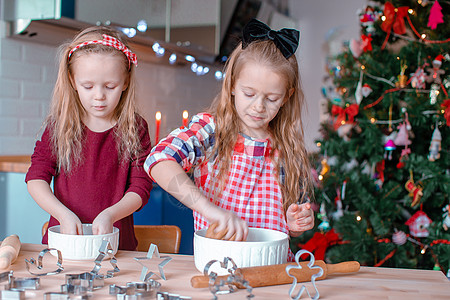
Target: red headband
[(112, 42)]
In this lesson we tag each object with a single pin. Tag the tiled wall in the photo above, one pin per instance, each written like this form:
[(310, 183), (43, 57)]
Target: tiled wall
[(28, 73)]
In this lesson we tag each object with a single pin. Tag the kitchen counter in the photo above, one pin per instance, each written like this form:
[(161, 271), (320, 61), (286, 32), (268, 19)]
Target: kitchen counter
[(368, 283), (15, 163)]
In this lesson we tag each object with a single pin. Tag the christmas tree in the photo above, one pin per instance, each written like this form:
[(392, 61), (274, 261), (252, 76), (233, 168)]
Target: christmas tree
[(383, 185)]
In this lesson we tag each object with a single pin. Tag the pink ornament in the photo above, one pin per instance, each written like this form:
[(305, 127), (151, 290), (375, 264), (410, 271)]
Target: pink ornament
[(399, 238), (356, 48), (402, 137), (390, 145), (436, 16)]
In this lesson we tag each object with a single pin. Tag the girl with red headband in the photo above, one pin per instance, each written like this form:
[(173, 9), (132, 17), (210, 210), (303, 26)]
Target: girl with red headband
[(248, 156), (94, 143)]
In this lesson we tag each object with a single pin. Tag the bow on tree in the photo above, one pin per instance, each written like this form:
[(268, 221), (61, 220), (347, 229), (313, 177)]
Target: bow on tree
[(395, 20), (446, 104), (319, 244), (351, 111)]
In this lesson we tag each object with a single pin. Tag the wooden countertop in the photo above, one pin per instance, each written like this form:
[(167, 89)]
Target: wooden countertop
[(368, 283), (15, 163)]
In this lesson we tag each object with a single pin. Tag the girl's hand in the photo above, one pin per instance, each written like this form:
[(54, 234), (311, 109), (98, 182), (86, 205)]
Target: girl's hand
[(237, 229), (299, 218), (103, 223), (71, 224)]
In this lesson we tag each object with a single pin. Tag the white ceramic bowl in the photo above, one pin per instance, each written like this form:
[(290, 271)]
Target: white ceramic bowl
[(263, 247), (81, 247)]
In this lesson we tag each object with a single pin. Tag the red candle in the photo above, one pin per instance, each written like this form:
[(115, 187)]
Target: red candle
[(158, 124), (185, 118)]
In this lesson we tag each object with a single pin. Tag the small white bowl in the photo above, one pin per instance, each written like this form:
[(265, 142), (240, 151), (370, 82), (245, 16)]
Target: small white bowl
[(263, 247), (81, 247)]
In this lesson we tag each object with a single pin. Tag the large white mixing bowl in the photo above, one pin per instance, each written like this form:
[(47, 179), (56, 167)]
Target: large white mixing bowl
[(81, 247), (263, 247)]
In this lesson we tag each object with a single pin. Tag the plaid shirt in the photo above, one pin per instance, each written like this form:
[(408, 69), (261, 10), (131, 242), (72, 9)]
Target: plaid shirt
[(252, 192)]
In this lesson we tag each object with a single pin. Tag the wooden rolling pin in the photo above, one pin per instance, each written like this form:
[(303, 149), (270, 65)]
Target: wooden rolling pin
[(9, 250), (276, 274)]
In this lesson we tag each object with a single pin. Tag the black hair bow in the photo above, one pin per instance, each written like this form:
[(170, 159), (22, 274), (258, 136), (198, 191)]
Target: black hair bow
[(285, 39)]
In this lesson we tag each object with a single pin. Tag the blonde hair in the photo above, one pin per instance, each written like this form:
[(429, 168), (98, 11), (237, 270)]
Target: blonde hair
[(66, 110), (287, 137)]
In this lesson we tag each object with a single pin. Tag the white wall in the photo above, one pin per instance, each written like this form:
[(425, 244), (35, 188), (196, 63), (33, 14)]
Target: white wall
[(316, 19)]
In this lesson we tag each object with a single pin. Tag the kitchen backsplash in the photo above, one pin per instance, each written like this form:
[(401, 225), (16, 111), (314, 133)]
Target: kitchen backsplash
[(28, 73)]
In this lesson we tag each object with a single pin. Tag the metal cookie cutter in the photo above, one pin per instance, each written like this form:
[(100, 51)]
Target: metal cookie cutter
[(135, 290), (167, 296), (64, 296), (76, 283), (232, 280), (13, 294), (26, 283), (5, 276), (144, 261), (39, 265), (105, 250), (313, 277)]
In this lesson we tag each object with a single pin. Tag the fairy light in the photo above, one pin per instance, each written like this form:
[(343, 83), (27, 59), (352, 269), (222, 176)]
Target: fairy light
[(442, 111), (342, 122), (172, 58), (411, 11), (318, 144), (320, 177), (383, 18), (358, 218), (189, 58), (423, 36), (363, 67), (372, 120)]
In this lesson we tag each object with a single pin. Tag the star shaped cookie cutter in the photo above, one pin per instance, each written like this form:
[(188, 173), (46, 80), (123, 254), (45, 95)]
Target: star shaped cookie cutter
[(313, 277), (146, 274)]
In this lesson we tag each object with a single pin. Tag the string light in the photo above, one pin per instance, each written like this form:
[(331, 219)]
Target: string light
[(383, 18), (142, 26), (319, 144), (372, 120), (358, 218), (320, 177), (172, 58), (189, 58), (423, 36)]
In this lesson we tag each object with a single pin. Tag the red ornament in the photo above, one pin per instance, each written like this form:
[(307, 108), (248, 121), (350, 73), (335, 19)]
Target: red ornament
[(418, 224), (394, 18), (319, 243), (446, 104), (366, 42)]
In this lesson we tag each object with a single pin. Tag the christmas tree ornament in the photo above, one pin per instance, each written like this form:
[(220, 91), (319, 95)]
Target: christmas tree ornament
[(402, 78), (434, 93), (435, 145), (418, 224), (415, 190), (418, 78), (322, 215), (389, 146), (446, 216), (366, 42), (435, 72), (366, 90), (399, 237), (436, 17), (356, 48), (358, 91), (446, 105), (368, 19), (402, 138), (394, 20), (325, 168)]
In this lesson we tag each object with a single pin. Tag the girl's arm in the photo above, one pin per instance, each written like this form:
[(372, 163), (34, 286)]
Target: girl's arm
[(104, 221), (172, 178), (42, 193)]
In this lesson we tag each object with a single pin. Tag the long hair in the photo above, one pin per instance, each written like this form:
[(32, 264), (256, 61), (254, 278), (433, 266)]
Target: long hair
[(66, 111), (287, 137)]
